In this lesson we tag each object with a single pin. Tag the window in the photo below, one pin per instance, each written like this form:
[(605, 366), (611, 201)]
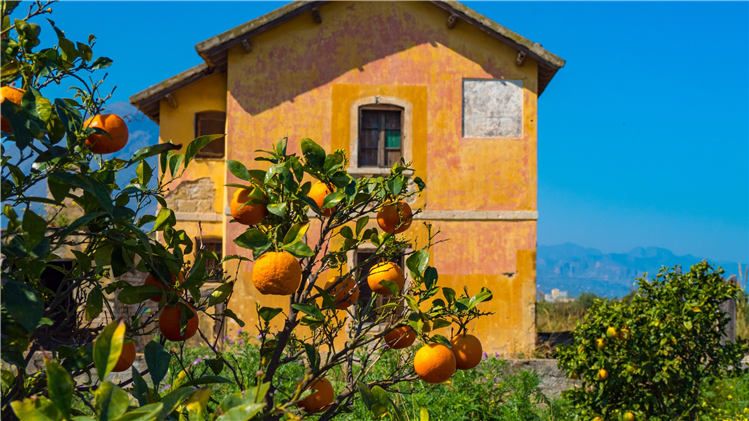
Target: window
[(211, 122), (364, 292), (214, 245), (380, 136)]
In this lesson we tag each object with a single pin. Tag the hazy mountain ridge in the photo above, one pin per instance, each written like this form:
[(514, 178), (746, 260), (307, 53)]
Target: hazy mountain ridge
[(578, 269)]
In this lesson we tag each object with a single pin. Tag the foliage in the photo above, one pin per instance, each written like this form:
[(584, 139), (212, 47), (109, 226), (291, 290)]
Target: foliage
[(79, 331), (664, 350)]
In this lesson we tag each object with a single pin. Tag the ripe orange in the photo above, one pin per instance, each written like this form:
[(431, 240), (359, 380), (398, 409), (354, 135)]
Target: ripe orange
[(276, 273), (151, 280), (169, 324), (127, 357), (434, 363), (112, 124), (317, 193), (13, 95), (628, 416), (249, 214), (391, 215), (342, 293), (574, 376), (318, 401), (385, 271), (400, 337), (467, 350), (602, 375)]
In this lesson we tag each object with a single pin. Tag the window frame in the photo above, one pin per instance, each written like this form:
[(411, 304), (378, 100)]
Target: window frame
[(382, 149), (406, 130), (203, 153), (212, 240), (352, 263)]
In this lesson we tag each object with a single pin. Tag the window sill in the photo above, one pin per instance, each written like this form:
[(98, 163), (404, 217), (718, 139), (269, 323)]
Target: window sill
[(368, 171)]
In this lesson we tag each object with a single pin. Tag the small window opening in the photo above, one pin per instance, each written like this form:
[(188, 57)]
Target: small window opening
[(380, 135), (207, 123)]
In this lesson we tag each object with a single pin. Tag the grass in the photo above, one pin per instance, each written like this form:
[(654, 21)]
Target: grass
[(562, 317)]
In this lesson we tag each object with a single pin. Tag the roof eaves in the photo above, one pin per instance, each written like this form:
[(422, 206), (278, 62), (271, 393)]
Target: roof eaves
[(499, 31), (223, 41), (145, 99)]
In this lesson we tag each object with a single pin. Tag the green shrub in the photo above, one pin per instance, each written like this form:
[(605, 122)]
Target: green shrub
[(671, 354)]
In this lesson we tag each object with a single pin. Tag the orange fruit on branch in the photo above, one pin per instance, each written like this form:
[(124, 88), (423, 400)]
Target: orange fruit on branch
[(344, 293), (600, 344), (276, 273), (151, 280), (394, 218), (249, 214), (127, 357), (602, 374), (170, 327), (112, 124), (385, 271), (400, 337), (467, 350), (628, 416), (611, 333), (317, 402), (13, 95), (434, 363), (317, 193)]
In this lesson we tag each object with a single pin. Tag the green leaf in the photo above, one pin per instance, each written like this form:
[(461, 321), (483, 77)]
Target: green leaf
[(220, 294), (440, 323), (34, 228), (94, 303), (346, 232), (152, 150), (165, 217), (449, 294), (483, 295), (175, 161), (242, 412), (138, 294), (313, 153), (23, 303), (36, 408), (333, 199), (140, 387), (423, 414), (418, 262), (196, 145), (173, 399), (268, 313), (196, 404), (157, 361), (310, 310), (144, 413), (101, 63), (78, 223), (299, 249), (36, 105), (144, 172), (366, 394), (239, 170), (107, 348), (206, 380), (110, 401), (197, 273), (277, 209), (393, 287), (442, 340), (229, 313), (361, 223), (59, 386), (216, 365), (295, 233), (252, 239)]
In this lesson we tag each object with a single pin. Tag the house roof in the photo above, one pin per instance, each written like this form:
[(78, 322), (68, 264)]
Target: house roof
[(214, 50)]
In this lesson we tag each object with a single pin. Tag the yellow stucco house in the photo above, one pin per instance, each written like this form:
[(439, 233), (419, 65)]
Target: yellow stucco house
[(434, 82)]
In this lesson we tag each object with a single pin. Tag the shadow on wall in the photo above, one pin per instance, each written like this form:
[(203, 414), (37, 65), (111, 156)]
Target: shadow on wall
[(299, 63)]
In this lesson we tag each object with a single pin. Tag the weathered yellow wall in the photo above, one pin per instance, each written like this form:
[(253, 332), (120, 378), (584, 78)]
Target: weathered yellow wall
[(178, 124), (300, 81)]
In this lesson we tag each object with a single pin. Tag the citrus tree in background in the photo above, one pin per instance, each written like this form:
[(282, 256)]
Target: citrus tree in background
[(61, 146), (650, 359)]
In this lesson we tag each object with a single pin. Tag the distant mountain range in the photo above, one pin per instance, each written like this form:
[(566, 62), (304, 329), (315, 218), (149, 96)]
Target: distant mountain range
[(577, 269)]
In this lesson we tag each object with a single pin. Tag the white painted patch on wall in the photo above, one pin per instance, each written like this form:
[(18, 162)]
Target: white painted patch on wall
[(492, 108)]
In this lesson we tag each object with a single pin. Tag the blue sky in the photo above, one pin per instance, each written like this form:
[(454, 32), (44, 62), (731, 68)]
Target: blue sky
[(643, 135)]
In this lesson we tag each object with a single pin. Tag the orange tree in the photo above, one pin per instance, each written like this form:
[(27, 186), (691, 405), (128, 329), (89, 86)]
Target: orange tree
[(61, 145), (652, 358)]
